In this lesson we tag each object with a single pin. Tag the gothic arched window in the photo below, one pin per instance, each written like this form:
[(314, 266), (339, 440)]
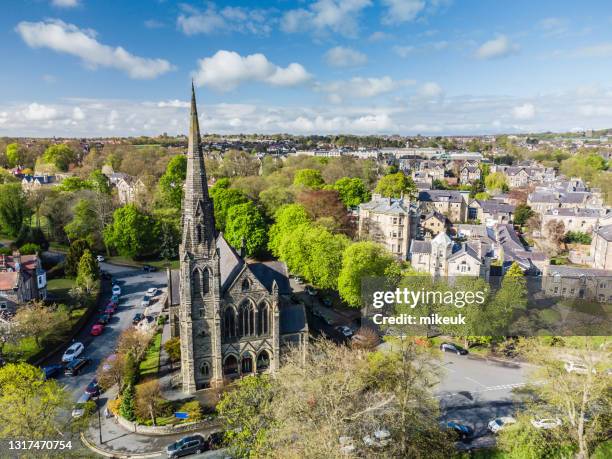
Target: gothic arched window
[(205, 369), (199, 233), (263, 319), (229, 323), (246, 319), (246, 285), (205, 281)]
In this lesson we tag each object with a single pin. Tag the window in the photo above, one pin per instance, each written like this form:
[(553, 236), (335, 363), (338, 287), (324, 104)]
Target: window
[(246, 319), (572, 290), (395, 220), (263, 319), (246, 285), (205, 369), (229, 323), (199, 234)]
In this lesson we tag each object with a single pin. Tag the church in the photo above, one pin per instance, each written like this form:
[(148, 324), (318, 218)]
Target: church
[(234, 317)]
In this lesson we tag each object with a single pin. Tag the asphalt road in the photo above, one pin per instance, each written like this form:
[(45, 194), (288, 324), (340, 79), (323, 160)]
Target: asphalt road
[(134, 283)]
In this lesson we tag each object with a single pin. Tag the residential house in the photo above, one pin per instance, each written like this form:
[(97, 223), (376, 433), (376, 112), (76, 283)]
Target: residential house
[(451, 203), (389, 221), (469, 174), (128, 189), (511, 249), (22, 279), (433, 223), (578, 283), (490, 211), (584, 220), (601, 247), (35, 182)]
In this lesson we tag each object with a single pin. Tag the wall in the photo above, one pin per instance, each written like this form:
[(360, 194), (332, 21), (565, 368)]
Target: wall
[(211, 425)]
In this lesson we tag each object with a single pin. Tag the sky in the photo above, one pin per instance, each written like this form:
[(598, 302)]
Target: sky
[(85, 68)]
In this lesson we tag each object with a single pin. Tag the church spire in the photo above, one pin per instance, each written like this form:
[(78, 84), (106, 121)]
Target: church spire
[(198, 218)]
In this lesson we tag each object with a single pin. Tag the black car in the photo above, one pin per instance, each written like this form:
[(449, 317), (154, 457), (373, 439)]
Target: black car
[(137, 318), (75, 366), (193, 444), (104, 319), (105, 275), (92, 388), (455, 348), (149, 268), (215, 440), (51, 371)]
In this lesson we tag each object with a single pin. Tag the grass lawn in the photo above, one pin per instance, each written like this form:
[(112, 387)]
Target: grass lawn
[(60, 288), (23, 350), (150, 363)]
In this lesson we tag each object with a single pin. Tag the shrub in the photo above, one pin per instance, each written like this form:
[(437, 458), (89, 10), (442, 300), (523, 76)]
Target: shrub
[(173, 348), (194, 409), (126, 409), (113, 406), (29, 249)]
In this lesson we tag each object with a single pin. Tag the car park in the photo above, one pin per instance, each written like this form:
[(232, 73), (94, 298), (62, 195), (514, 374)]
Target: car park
[(463, 431), (79, 408), (192, 444), (451, 347), (116, 290), (104, 319), (97, 330), (51, 371), (137, 318), (76, 366), (73, 352), (498, 424), (579, 368), (545, 423), (93, 388)]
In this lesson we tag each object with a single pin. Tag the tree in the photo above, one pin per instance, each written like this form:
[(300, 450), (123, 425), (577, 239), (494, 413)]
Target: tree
[(171, 183), (352, 191), (584, 164), (88, 272), (577, 237), (396, 185), (309, 178), (239, 163), (127, 408), (246, 224), (29, 248), (84, 223), (73, 257), (522, 213), (496, 182), (14, 154), (59, 155), (274, 198), (482, 196), (555, 229), (359, 260), (14, 210), (99, 182), (223, 201), (30, 406), (511, 297), (133, 232), (40, 322), (133, 342), (287, 218), (324, 207), (72, 184), (149, 400), (111, 371), (173, 349)]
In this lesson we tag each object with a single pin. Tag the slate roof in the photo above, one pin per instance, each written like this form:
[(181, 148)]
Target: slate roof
[(465, 249), (420, 246), (230, 262), (440, 196), (574, 211), (434, 214), (269, 271), (387, 206), (496, 207), (571, 271), (605, 232), (292, 319)]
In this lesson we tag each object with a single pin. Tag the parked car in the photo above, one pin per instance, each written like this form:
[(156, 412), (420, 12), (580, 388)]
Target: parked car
[(73, 352), (97, 330), (104, 319), (149, 268), (105, 275), (152, 291), (346, 331), (215, 440), (93, 388), (79, 408), (100, 258), (75, 366), (451, 347), (464, 432), (192, 444), (498, 424), (137, 318), (310, 290), (115, 299), (116, 290), (109, 311), (545, 423), (146, 301), (51, 371), (575, 367), (327, 302)]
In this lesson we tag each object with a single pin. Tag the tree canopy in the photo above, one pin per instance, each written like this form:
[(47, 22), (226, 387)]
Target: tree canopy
[(132, 233), (245, 222), (310, 178), (352, 191), (59, 155), (171, 183), (396, 185)]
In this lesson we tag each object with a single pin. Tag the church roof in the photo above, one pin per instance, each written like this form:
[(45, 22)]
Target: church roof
[(269, 271), (230, 263), (292, 319)]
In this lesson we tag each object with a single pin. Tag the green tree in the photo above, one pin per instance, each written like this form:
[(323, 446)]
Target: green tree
[(132, 233), (396, 185), (310, 178), (59, 155), (287, 218), (73, 257), (245, 222), (29, 249), (522, 213), (352, 191), (511, 296), (14, 210), (84, 223), (87, 272), (99, 182), (128, 403), (496, 182), (482, 196), (223, 201), (30, 406), (171, 183), (274, 198), (584, 164), (359, 260), (14, 154), (72, 184)]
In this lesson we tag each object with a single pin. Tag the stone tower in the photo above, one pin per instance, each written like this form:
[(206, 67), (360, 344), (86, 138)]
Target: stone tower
[(199, 271)]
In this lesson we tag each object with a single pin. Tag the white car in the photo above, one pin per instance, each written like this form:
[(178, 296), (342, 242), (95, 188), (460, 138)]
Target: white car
[(100, 258), (152, 291), (73, 352), (498, 424), (79, 408), (116, 290), (546, 423), (573, 367)]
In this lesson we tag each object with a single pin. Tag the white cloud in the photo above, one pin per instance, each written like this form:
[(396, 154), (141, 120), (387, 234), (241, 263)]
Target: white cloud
[(340, 16), (403, 51), (231, 19), (38, 112), (228, 69), (361, 88), (399, 11), (69, 39), (553, 26), (524, 112), (175, 103), (496, 48), (341, 56), (78, 114), (430, 90), (378, 36), (65, 3)]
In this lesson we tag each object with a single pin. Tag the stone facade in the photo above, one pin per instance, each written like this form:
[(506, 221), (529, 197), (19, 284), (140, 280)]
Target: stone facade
[(601, 247)]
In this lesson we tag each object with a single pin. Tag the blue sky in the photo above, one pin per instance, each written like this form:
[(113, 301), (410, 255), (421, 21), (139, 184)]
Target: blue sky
[(103, 68)]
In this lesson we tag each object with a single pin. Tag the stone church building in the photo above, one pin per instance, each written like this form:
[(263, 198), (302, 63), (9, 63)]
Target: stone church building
[(233, 317)]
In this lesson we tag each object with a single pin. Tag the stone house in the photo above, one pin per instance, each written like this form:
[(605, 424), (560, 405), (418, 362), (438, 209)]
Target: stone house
[(450, 203), (22, 279), (578, 283), (129, 188), (584, 220), (469, 174), (601, 247)]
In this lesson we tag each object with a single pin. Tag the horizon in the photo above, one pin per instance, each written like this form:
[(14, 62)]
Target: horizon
[(86, 69)]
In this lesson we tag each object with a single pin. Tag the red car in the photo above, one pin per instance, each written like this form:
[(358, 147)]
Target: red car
[(96, 330), (109, 310), (111, 303)]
